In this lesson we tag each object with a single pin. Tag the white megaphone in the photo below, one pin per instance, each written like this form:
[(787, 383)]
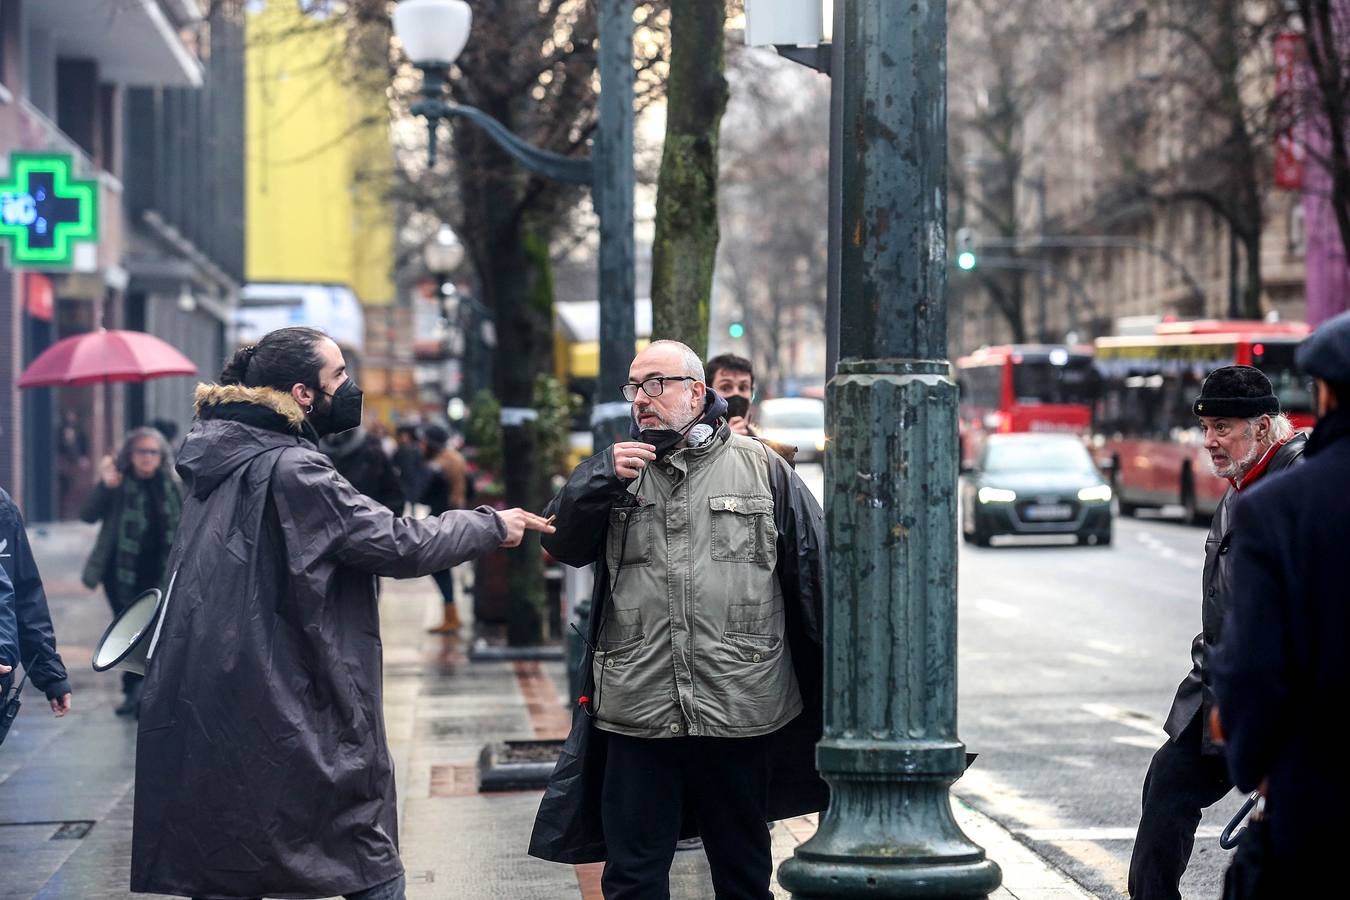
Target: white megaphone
[(127, 641)]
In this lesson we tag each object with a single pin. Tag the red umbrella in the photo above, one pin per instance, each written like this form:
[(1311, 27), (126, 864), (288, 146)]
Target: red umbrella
[(105, 356)]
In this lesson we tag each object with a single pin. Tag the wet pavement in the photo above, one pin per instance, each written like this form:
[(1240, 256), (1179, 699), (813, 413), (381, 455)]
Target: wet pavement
[(66, 784)]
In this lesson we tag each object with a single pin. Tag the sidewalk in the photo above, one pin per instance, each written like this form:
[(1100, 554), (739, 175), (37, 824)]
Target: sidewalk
[(65, 785)]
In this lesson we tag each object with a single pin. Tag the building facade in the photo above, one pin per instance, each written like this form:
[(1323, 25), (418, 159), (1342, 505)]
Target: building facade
[(72, 77)]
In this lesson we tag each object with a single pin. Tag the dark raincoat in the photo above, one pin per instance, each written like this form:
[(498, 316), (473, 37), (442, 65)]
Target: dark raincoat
[(261, 766), (567, 828)]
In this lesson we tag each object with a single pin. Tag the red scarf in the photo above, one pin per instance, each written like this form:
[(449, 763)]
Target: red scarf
[(1259, 469)]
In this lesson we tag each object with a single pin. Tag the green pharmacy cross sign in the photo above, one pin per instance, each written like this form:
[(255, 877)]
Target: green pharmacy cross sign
[(43, 210)]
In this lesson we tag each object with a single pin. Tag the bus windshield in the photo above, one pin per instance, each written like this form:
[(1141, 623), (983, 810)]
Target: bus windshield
[(1294, 388), (1041, 381)]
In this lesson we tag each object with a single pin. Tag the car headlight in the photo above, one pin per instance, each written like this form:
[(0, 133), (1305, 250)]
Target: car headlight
[(996, 495), (1099, 494)]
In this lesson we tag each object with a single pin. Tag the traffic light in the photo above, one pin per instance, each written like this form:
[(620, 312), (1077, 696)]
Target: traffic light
[(966, 258), (736, 330)]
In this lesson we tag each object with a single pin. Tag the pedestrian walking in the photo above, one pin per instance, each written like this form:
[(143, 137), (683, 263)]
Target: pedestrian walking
[(704, 662), (445, 487), (1248, 439), (359, 457), (37, 639), (410, 462), (1281, 670), (138, 499), (262, 767)]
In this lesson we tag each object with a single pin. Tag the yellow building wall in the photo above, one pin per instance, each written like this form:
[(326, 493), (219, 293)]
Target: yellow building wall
[(318, 158)]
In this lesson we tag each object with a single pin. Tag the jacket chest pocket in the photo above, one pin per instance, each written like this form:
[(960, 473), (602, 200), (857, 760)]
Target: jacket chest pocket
[(742, 529), (631, 535)]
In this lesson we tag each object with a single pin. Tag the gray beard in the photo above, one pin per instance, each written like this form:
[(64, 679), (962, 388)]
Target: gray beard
[(1238, 468)]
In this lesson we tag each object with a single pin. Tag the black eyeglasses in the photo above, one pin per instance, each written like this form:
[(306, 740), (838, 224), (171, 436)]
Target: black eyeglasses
[(652, 387)]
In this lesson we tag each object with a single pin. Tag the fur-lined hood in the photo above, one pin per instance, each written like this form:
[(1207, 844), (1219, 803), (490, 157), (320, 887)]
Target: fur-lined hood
[(234, 425), (209, 397)]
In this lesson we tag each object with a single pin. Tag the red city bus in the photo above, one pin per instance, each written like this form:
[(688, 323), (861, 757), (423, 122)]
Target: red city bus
[(1144, 429), (1024, 387)]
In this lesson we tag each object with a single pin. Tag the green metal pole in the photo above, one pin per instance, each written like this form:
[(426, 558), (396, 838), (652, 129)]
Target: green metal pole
[(890, 751)]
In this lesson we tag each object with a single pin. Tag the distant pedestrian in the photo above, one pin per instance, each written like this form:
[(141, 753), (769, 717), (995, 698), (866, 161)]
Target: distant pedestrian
[(733, 378), (138, 498), (445, 488), (359, 458), (410, 462), (1248, 439), (1282, 668), (73, 466), (37, 638), (704, 663), (262, 767)]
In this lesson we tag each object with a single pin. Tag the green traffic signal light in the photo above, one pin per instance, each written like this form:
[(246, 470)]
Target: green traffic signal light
[(966, 260), (736, 330)]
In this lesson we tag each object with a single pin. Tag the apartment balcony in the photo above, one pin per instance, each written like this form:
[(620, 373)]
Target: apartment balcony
[(136, 43)]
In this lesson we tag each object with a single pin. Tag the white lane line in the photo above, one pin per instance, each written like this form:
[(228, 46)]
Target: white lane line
[(1086, 660), (1186, 560), (1139, 740), (1108, 647), (1100, 833), (996, 608), (1127, 717)]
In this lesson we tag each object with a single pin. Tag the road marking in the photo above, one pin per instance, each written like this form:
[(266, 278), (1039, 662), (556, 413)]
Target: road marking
[(997, 608), (1011, 809), (1127, 717), (1108, 647), (1099, 833), (1139, 740), (1186, 560), (1087, 660)]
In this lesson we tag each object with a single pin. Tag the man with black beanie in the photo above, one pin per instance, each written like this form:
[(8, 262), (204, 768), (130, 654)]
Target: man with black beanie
[(1247, 439), (1282, 671)]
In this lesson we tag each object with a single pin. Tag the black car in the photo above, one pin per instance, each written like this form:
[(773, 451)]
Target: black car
[(1034, 484)]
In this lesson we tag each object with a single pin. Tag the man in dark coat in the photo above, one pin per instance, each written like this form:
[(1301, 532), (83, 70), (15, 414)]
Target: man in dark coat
[(703, 674), (1282, 669), (37, 639), (1248, 439), (262, 767)]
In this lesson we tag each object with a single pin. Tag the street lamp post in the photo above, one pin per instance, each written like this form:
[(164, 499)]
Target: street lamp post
[(890, 750), (433, 33)]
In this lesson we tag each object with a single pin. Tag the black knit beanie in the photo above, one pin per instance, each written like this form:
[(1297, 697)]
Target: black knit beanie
[(1237, 392)]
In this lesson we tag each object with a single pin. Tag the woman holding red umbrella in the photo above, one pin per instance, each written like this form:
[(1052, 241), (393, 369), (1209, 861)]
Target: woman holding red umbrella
[(138, 498)]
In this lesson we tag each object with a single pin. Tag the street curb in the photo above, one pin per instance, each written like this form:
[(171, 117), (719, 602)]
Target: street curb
[(1026, 875)]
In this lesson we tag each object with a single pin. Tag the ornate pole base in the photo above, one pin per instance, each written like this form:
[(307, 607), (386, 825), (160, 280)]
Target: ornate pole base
[(883, 837)]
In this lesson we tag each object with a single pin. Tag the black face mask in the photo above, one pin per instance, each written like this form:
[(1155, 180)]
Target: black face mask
[(738, 407), (341, 410), (665, 439)]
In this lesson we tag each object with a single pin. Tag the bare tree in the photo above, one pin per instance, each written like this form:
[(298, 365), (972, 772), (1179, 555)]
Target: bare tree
[(1326, 115)]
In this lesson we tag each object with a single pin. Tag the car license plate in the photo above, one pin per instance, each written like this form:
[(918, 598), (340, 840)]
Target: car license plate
[(1048, 512)]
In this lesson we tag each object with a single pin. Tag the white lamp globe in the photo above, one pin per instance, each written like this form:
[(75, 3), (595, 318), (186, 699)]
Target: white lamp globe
[(433, 32), (444, 253)]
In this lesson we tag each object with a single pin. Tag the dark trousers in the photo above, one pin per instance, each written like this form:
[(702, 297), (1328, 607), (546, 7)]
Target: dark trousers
[(446, 582), (131, 682), (1181, 783), (649, 783), (390, 890)]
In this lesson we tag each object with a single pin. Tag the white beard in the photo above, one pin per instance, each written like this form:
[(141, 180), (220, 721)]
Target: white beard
[(1237, 468)]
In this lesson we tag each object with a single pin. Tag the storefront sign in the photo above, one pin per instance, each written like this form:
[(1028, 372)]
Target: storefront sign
[(44, 210)]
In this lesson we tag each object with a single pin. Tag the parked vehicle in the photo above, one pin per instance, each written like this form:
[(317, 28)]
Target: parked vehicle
[(1035, 484), (797, 421)]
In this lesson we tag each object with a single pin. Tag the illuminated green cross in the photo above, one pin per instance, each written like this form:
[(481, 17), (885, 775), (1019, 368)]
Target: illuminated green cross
[(43, 210)]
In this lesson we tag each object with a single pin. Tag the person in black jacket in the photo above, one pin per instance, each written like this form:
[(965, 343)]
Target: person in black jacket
[(1281, 671), (37, 639), (1248, 439), (359, 458)]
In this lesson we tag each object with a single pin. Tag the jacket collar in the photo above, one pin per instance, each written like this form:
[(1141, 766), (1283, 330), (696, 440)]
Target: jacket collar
[(260, 407), (1279, 456), (1334, 426)]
